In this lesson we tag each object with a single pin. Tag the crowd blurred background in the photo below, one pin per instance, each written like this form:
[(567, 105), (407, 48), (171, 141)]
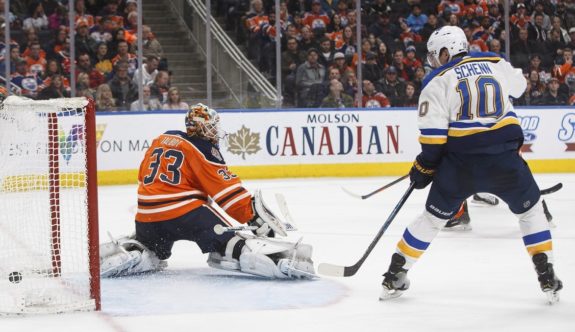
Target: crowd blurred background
[(319, 57)]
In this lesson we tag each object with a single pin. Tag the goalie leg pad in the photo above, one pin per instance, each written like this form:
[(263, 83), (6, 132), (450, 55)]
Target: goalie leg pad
[(133, 258)]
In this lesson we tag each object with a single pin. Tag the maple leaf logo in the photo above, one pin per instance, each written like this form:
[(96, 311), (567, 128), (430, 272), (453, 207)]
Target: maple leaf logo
[(244, 141)]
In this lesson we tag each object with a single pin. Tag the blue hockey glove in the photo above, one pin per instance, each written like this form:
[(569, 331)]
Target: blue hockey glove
[(420, 174)]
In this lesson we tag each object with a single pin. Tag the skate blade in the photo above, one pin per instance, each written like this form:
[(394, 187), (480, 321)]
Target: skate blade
[(389, 294), (552, 297), (458, 228)]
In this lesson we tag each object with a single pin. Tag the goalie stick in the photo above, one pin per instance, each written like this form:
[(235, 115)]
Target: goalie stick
[(348, 271), (375, 191), (553, 189)]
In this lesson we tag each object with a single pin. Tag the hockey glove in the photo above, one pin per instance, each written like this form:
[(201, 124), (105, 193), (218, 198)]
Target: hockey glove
[(264, 228), (420, 174)]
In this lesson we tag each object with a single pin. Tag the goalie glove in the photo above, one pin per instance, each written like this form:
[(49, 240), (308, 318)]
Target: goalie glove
[(266, 221)]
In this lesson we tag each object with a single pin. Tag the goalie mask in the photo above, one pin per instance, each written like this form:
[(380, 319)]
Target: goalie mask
[(203, 122), (451, 38)]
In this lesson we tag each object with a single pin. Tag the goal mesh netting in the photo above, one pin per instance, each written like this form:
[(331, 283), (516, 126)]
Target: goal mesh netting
[(48, 206)]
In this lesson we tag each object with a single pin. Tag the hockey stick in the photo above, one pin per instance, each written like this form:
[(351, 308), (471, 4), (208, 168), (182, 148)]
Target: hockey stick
[(221, 229), (375, 191), (348, 271), (553, 189), (282, 204)]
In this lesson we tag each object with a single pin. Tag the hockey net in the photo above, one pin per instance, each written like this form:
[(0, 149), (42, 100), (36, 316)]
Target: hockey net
[(48, 206)]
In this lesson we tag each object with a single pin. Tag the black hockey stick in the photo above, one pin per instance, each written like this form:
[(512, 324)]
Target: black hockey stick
[(553, 189), (348, 271), (375, 191)]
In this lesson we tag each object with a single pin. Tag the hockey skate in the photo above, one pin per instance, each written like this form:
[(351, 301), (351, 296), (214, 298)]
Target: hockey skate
[(395, 280), (484, 199), (460, 222), (550, 284)]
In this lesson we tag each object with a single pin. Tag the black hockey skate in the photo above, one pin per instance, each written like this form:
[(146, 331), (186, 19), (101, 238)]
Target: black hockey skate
[(550, 284), (395, 280), (485, 199), (463, 223)]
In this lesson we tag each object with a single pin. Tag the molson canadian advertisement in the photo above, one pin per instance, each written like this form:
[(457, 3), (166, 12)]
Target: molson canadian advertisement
[(305, 143)]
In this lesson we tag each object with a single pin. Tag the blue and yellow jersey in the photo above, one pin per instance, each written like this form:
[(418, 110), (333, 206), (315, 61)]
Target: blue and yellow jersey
[(464, 106)]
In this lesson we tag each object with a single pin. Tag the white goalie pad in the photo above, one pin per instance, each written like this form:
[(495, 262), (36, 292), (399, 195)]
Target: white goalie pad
[(267, 216), (127, 256), (269, 258)]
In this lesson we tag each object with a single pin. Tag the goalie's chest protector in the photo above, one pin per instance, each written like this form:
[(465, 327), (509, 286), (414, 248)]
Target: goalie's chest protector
[(177, 175)]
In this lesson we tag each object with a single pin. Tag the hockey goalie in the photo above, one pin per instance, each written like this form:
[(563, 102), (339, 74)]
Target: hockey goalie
[(180, 179)]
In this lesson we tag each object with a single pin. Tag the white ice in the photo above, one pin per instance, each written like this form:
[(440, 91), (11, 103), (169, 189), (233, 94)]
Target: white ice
[(481, 280)]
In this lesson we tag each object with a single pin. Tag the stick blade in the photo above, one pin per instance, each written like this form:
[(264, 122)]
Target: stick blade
[(331, 270), (352, 194)]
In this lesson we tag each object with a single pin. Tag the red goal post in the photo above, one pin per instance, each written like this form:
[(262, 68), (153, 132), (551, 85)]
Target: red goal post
[(49, 260)]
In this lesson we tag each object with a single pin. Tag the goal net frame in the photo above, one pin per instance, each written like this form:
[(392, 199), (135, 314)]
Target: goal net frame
[(52, 110)]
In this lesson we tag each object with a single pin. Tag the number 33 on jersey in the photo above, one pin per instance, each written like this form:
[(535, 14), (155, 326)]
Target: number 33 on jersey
[(177, 175), (463, 100)]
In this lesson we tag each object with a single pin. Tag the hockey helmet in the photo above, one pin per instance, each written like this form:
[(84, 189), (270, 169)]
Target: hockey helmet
[(203, 122), (451, 38)]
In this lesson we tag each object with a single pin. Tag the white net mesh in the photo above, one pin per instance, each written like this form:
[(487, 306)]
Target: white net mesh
[(44, 262)]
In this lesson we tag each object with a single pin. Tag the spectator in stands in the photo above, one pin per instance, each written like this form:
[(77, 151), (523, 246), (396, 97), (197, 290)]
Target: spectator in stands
[(307, 40), (552, 96), (292, 57), (537, 87), (411, 61), (554, 46), (83, 86), (125, 55), (384, 57), (84, 43), (29, 84), (326, 52), (56, 89), (539, 10), (52, 68), (57, 43), (418, 78), (405, 73), (384, 29), (350, 83), (410, 97), (520, 19), (537, 32), (565, 67), (104, 99), (339, 63), (35, 60), (349, 46), (308, 74), (254, 19), (317, 19), (159, 89), (523, 49), (58, 18), (148, 103), (336, 97), (365, 47), (495, 47), (84, 65), (104, 31), (151, 46), (82, 13), (371, 71), (31, 38), (391, 86), (563, 33), (102, 60), (371, 98), (416, 20), (36, 19), (431, 25), (174, 101), (130, 7), (150, 70), (123, 89), (111, 9), (534, 64)]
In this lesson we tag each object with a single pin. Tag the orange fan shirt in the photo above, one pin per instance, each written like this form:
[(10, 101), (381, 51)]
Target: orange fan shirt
[(178, 174)]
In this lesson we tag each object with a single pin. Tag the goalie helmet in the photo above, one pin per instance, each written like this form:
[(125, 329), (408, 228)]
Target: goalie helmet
[(451, 38), (203, 122)]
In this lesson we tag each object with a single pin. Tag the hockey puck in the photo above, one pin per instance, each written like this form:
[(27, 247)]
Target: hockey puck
[(15, 277)]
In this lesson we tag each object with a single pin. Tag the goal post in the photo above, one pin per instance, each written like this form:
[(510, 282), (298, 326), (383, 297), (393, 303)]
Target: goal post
[(49, 259)]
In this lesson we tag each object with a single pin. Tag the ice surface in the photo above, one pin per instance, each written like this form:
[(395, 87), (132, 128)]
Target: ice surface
[(481, 280)]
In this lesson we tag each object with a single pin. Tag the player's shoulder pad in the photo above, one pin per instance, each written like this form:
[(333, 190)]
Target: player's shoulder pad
[(210, 151)]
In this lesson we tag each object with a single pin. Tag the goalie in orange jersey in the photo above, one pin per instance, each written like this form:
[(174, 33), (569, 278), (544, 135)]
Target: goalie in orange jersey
[(182, 178)]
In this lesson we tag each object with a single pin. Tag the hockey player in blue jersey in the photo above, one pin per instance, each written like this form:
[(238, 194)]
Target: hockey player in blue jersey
[(470, 139)]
